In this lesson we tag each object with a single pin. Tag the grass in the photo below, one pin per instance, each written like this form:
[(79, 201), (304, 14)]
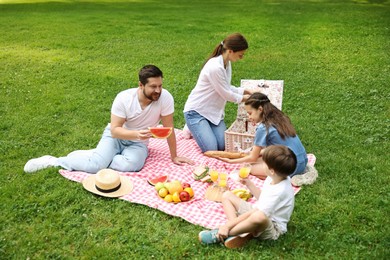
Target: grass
[(63, 63)]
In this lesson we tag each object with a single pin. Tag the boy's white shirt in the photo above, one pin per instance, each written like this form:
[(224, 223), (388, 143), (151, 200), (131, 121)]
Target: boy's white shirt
[(276, 201), (213, 89)]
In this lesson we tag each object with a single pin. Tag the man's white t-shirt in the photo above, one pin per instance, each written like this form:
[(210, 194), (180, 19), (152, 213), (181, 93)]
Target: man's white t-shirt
[(276, 201), (126, 105), (213, 90)]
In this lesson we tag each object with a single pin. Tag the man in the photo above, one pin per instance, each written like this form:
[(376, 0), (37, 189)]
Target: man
[(123, 146)]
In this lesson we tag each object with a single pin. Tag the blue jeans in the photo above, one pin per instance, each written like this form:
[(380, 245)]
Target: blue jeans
[(117, 154), (208, 136)]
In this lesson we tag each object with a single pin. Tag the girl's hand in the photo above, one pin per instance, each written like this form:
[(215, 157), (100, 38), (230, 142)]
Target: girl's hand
[(225, 159)]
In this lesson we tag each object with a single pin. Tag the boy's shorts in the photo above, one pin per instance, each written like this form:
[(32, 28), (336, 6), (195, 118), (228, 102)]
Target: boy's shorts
[(272, 232)]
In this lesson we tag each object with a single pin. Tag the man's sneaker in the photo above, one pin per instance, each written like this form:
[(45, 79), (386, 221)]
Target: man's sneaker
[(208, 236), (186, 132), (238, 241), (40, 163)]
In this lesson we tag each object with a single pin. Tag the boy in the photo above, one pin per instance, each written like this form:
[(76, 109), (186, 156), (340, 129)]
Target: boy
[(268, 217)]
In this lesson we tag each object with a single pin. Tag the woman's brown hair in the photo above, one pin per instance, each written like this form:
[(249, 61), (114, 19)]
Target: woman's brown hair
[(235, 42), (271, 115)]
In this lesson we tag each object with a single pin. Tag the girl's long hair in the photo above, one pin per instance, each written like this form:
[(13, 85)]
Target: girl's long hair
[(235, 42), (271, 115)]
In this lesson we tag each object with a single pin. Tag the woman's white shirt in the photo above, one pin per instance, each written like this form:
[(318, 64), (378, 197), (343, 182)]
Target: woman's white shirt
[(213, 90)]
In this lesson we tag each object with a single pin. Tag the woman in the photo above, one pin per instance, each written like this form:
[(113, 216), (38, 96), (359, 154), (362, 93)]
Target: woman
[(204, 109)]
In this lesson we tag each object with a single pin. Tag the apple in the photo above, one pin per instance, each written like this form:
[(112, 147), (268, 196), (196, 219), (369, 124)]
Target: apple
[(184, 196), (186, 185)]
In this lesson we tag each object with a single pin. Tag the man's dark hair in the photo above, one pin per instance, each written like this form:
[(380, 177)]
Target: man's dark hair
[(149, 71)]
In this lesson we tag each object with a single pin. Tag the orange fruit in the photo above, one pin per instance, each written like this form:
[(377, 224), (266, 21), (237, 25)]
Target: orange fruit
[(190, 191), (163, 192)]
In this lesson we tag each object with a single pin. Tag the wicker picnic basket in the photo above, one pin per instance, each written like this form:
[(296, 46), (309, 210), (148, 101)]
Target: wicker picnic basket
[(239, 136)]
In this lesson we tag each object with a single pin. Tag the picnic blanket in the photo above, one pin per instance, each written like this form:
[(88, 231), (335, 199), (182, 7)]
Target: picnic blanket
[(198, 210)]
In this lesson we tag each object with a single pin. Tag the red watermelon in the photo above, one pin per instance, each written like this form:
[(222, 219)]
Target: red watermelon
[(157, 180), (160, 132)]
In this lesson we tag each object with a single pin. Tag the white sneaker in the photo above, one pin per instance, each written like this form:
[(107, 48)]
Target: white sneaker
[(40, 163), (186, 132)]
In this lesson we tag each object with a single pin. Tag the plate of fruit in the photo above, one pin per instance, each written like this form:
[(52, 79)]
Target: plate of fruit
[(174, 191)]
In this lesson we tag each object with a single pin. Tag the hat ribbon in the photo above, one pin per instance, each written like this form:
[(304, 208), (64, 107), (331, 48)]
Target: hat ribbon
[(110, 190)]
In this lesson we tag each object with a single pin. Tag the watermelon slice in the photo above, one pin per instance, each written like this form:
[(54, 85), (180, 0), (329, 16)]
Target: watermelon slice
[(157, 180), (160, 132)]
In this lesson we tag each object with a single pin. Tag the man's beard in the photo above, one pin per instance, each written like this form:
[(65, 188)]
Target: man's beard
[(152, 97)]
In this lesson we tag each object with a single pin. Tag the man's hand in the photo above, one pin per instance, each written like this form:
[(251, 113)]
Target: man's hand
[(181, 160), (144, 134)]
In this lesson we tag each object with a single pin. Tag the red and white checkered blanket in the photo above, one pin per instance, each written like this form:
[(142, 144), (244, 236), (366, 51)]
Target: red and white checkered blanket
[(198, 210)]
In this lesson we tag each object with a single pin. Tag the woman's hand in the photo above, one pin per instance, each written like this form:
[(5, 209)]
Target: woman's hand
[(245, 98)]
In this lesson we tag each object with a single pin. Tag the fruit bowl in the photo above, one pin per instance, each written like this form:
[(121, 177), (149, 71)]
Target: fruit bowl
[(174, 191)]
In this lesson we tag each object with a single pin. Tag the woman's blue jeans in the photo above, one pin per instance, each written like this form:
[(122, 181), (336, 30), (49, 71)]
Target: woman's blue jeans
[(208, 136), (116, 154)]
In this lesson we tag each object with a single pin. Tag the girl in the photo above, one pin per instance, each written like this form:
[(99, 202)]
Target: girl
[(204, 109), (275, 128)]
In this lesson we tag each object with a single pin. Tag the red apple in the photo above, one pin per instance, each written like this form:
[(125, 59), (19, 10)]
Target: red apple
[(184, 196), (185, 185)]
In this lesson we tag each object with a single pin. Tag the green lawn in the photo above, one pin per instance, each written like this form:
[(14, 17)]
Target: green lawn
[(63, 62)]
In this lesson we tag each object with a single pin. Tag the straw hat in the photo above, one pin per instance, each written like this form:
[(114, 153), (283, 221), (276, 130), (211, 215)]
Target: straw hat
[(108, 183)]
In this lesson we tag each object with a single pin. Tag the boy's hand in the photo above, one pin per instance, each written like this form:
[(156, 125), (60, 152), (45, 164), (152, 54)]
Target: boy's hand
[(246, 181), (223, 232)]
